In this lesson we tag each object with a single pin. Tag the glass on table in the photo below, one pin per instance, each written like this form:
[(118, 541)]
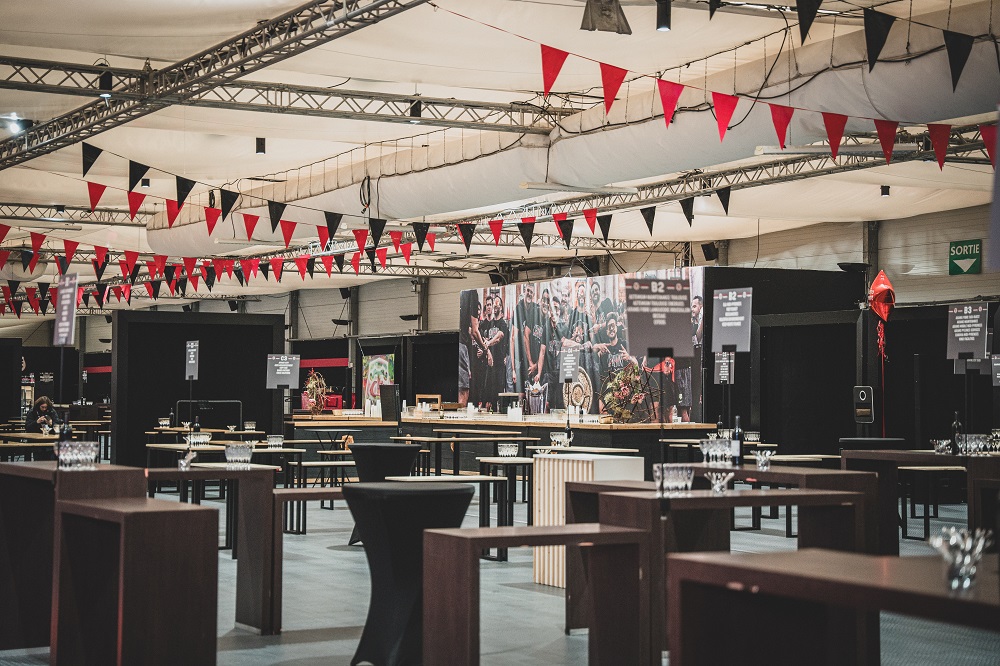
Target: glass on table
[(719, 480), (763, 459), (962, 550)]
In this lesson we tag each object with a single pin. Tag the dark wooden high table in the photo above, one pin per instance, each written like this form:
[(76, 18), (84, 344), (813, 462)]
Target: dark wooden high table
[(28, 493), (791, 608), (886, 464)]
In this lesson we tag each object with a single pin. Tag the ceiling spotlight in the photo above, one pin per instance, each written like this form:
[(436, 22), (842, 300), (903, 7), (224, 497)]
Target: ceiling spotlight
[(233, 306), (60, 210), (341, 322), (105, 82), (885, 190), (18, 125), (145, 182), (663, 15), (416, 108), (261, 149), (410, 317)]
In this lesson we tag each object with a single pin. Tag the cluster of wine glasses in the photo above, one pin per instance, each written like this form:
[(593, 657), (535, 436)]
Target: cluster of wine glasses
[(507, 449), (672, 479), (78, 456), (961, 549), (763, 459), (717, 451), (979, 445), (238, 455), (275, 441), (720, 481)]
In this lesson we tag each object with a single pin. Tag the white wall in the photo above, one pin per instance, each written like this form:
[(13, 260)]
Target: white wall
[(382, 302), (35, 333), (316, 308), (816, 247), (442, 299)]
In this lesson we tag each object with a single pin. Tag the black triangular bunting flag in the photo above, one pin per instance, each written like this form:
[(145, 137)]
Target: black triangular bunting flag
[(86, 298), (13, 285), (712, 6), (275, 209), (310, 265), (566, 229), (371, 257), (210, 277), (959, 47), (375, 228), (134, 275), (238, 272), (724, 198), (100, 293), (43, 288), (43, 303), (182, 286), (526, 229), (90, 155), (155, 284), (62, 263), (877, 26), (26, 257), (648, 214), (420, 230), (228, 201), (168, 272), (687, 205), (806, 10), (184, 187), (136, 172), (339, 260), (466, 231), (264, 269), (604, 221), (16, 306), (99, 268), (332, 222)]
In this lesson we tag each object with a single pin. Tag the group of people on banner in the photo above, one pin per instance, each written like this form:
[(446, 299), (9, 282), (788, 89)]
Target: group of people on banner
[(511, 337)]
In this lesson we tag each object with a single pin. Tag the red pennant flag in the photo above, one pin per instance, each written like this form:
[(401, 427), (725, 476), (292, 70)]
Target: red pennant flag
[(3, 231), (356, 262), (212, 216), (4, 255), (557, 218), (135, 200), (361, 238), (149, 288), (940, 134), (277, 264), (987, 132), (327, 260), (193, 281), (118, 292), (124, 266), (407, 249), (32, 294), (173, 210), (552, 62), (36, 241), (397, 238), (127, 293), (79, 295), (670, 92), (254, 267), (834, 123), (6, 293), (96, 191), (250, 221), (591, 216), (100, 254), (611, 78), (190, 263), (172, 286), (220, 266), (34, 262), (725, 106), (70, 247), (886, 136), (151, 269), (430, 240), (204, 269), (496, 226), (131, 257), (781, 116), (161, 262), (303, 264), (324, 236), (287, 229), (381, 253)]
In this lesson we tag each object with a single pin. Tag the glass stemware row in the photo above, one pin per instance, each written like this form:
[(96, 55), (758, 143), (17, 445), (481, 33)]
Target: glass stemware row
[(672, 479)]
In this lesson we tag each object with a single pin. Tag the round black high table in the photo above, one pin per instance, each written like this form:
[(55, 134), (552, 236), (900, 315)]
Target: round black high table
[(374, 462), (391, 518)]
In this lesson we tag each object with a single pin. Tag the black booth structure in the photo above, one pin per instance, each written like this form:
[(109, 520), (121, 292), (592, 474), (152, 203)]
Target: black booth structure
[(425, 363), (10, 378), (97, 383), (147, 377), (56, 371)]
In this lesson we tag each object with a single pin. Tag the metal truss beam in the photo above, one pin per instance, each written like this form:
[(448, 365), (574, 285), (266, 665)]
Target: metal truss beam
[(314, 23), (75, 214), (72, 79)]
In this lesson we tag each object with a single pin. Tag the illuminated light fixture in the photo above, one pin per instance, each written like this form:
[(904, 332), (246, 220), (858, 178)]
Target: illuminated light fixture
[(885, 190), (663, 15), (105, 82), (145, 182), (261, 147), (18, 125), (416, 108)]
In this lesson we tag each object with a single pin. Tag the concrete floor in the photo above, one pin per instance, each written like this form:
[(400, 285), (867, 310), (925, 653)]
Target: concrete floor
[(326, 600)]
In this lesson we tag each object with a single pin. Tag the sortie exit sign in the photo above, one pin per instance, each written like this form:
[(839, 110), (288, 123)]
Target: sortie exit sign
[(965, 257)]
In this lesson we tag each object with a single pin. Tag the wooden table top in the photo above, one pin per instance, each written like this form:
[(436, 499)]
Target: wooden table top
[(707, 499), (337, 452), (29, 436), (266, 450), (506, 460), (473, 431), (185, 447), (912, 457), (222, 465), (461, 478), (30, 445), (580, 449), (424, 438)]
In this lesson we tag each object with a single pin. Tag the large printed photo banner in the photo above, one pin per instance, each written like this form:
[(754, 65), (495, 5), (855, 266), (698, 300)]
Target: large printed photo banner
[(377, 370), (510, 339)]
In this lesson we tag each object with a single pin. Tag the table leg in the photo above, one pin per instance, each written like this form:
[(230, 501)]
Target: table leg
[(456, 462), (885, 509), (437, 457)]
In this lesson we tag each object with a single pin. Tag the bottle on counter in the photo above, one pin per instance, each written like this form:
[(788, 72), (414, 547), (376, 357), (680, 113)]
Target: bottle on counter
[(197, 424), (173, 418), (719, 425), (956, 431), (737, 442)]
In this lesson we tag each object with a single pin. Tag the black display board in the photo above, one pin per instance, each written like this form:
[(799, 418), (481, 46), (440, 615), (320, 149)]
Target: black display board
[(44, 364), (97, 386), (967, 323), (148, 373), (431, 366), (10, 378)]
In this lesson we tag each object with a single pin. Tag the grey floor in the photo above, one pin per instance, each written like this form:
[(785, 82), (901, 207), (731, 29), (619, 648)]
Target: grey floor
[(326, 599)]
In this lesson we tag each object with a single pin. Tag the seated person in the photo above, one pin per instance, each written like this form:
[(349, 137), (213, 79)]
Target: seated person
[(42, 413)]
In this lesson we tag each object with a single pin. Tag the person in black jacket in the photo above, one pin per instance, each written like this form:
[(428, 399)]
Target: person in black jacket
[(43, 412)]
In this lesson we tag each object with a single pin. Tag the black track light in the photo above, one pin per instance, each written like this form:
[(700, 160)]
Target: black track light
[(416, 108), (663, 15), (145, 182), (885, 190), (105, 82), (261, 148)]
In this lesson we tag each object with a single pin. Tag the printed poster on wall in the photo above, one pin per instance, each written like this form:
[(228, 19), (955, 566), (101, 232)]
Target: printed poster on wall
[(731, 318), (377, 370)]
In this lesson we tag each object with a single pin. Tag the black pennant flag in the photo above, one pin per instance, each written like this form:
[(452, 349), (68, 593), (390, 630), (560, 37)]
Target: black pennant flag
[(275, 209), (182, 286), (100, 293), (43, 288), (420, 230), (63, 264), (311, 265), (228, 201), (184, 187), (371, 257), (467, 231), (264, 268), (99, 268), (210, 277), (90, 155), (687, 205), (877, 26), (134, 275), (604, 221), (332, 222), (13, 285), (168, 273), (526, 229), (724, 198), (26, 257), (86, 298), (136, 172), (238, 272), (339, 260), (806, 10), (566, 229), (648, 214), (375, 228), (959, 47), (43, 303), (712, 6), (155, 284), (16, 306)]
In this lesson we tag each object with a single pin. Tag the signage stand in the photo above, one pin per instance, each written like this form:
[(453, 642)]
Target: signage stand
[(661, 353), (569, 368), (191, 373), (727, 394)]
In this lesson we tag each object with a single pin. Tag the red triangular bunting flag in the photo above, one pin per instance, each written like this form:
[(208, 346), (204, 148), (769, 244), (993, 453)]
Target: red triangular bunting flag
[(303, 264), (227, 266), (124, 267), (552, 62), (324, 236), (591, 216), (172, 211), (34, 261), (611, 78), (430, 240), (834, 123), (172, 286), (193, 281), (940, 134), (4, 256), (381, 253), (149, 288), (670, 92), (407, 250), (3, 231), (886, 136), (161, 262), (100, 254), (987, 132), (277, 264), (557, 218), (135, 200), (151, 269), (127, 293), (327, 260), (117, 290), (250, 221), (96, 191), (397, 238), (254, 267), (287, 229), (204, 269), (496, 226), (36, 241), (725, 106), (131, 257), (356, 262), (781, 116), (220, 266), (190, 263), (361, 238), (212, 216)]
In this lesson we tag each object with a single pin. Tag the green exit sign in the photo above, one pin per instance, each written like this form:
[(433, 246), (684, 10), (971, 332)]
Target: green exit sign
[(965, 257)]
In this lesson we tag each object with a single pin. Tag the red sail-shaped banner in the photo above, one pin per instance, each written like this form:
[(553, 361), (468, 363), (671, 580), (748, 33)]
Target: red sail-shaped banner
[(302, 263), (287, 229), (725, 106), (36, 241), (496, 226), (835, 124), (987, 132), (250, 222), (4, 229), (396, 237), (940, 135), (95, 191), (135, 200), (190, 264), (886, 130), (100, 254), (382, 254), (212, 217), (552, 62), (407, 250), (611, 79), (670, 92), (590, 215), (781, 116), (172, 211), (356, 262), (324, 236), (431, 237), (277, 265), (327, 260), (361, 238)]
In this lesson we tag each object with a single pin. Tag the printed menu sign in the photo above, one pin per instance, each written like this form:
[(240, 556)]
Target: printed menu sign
[(282, 370), (658, 312), (731, 310), (995, 361), (725, 367), (967, 330), (191, 359), (64, 329), (569, 364)]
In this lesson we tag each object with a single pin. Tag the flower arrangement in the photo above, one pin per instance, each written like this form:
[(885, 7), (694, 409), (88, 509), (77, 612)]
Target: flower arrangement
[(316, 390), (628, 396)]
